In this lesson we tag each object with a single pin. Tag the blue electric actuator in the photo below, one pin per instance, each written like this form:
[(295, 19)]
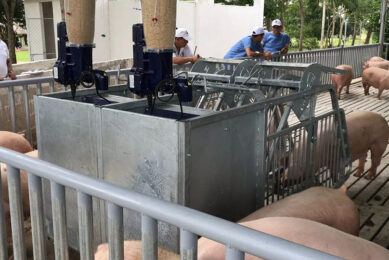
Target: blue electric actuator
[(152, 72), (74, 64)]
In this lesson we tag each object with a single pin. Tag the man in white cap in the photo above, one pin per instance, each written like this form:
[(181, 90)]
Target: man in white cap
[(276, 42), (5, 63), (181, 51), (249, 46)]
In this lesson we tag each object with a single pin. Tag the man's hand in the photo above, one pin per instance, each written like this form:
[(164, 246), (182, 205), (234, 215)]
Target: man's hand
[(195, 58), (284, 50), (266, 55)]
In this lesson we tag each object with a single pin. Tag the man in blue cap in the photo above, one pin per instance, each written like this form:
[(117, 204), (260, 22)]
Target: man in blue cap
[(276, 42), (249, 46)]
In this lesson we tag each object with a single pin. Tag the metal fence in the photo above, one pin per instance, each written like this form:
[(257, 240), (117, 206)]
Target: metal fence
[(354, 56), (192, 223), (24, 88)]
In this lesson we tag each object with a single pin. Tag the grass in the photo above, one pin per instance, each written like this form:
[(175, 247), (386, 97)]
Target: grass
[(22, 56)]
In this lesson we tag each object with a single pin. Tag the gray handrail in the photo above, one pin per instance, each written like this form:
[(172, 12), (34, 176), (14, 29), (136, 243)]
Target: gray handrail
[(231, 234)]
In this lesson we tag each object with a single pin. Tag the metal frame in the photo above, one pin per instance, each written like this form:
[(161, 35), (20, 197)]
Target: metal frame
[(239, 239)]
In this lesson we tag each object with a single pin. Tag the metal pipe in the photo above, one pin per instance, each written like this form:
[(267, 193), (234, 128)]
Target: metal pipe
[(382, 25), (27, 113), (85, 226), (37, 220), (59, 220), (11, 104), (115, 231), (16, 211), (188, 245), (240, 237), (234, 254), (3, 234), (149, 238)]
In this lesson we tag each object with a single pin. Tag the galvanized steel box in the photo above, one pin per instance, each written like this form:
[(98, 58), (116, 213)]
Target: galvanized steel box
[(208, 162)]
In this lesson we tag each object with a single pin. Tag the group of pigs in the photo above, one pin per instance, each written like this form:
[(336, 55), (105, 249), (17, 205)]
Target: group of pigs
[(321, 218), (375, 74)]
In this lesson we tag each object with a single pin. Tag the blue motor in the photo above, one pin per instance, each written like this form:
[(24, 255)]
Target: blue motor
[(74, 64), (152, 72)]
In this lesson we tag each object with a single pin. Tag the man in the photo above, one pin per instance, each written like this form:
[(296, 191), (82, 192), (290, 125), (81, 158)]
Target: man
[(249, 46), (5, 63), (181, 51), (276, 42)]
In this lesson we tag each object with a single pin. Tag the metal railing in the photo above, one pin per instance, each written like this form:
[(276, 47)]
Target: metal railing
[(37, 85), (354, 56), (239, 239)]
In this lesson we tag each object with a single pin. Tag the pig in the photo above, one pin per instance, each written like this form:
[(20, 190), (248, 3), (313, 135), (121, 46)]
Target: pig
[(328, 206), (379, 64), (377, 78), (341, 80), (133, 251), (15, 142), (305, 232), (376, 58), (367, 131)]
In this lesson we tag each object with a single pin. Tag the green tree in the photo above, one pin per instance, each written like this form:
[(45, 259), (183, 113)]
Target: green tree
[(11, 11)]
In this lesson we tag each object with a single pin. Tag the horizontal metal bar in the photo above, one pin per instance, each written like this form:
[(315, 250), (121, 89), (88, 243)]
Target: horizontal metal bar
[(239, 237)]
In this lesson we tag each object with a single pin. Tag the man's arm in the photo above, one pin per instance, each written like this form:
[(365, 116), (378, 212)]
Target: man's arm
[(254, 54), (183, 60), (11, 73), (285, 49)]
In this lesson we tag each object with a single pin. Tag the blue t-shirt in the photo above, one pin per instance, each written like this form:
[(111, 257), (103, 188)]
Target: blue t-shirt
[(239, 49), (273, 43)]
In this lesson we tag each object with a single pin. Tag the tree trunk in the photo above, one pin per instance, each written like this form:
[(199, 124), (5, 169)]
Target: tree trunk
[(334, 16), (283, 8), (62, 5), (268, 23), (354, 32), (368, 35), (323, 22), (9, 10), (341, 32), (301, 7)]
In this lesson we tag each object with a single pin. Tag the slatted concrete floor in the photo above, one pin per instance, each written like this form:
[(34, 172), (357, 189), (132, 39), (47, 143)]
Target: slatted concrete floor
[(371, 196)]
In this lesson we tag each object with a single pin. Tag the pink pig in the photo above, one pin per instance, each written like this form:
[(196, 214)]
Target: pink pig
[(341, 80)]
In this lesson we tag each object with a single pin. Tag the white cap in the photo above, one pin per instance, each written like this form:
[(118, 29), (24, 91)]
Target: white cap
[(276, 22), (183, 33), (258, 31)]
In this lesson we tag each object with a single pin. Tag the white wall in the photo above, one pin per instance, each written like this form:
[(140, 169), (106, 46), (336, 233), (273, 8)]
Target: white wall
[(34, 23), (213, 27)]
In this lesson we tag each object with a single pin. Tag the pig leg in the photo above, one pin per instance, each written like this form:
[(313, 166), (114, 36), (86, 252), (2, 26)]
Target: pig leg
[(376, 151), (348, 88), (366, 88), (339, 90), (361, 165), (380, 90)]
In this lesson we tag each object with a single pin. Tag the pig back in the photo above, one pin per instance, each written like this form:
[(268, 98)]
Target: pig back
[(15, 142), (365, 128), (328, 206), (376, 77), (305, 232)]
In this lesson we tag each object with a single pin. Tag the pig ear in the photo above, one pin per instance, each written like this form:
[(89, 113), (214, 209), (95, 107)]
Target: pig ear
[(343, 188), (23, 134)]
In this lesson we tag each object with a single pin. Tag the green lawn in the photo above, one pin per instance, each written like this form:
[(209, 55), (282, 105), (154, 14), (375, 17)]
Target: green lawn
[(22, 56)]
